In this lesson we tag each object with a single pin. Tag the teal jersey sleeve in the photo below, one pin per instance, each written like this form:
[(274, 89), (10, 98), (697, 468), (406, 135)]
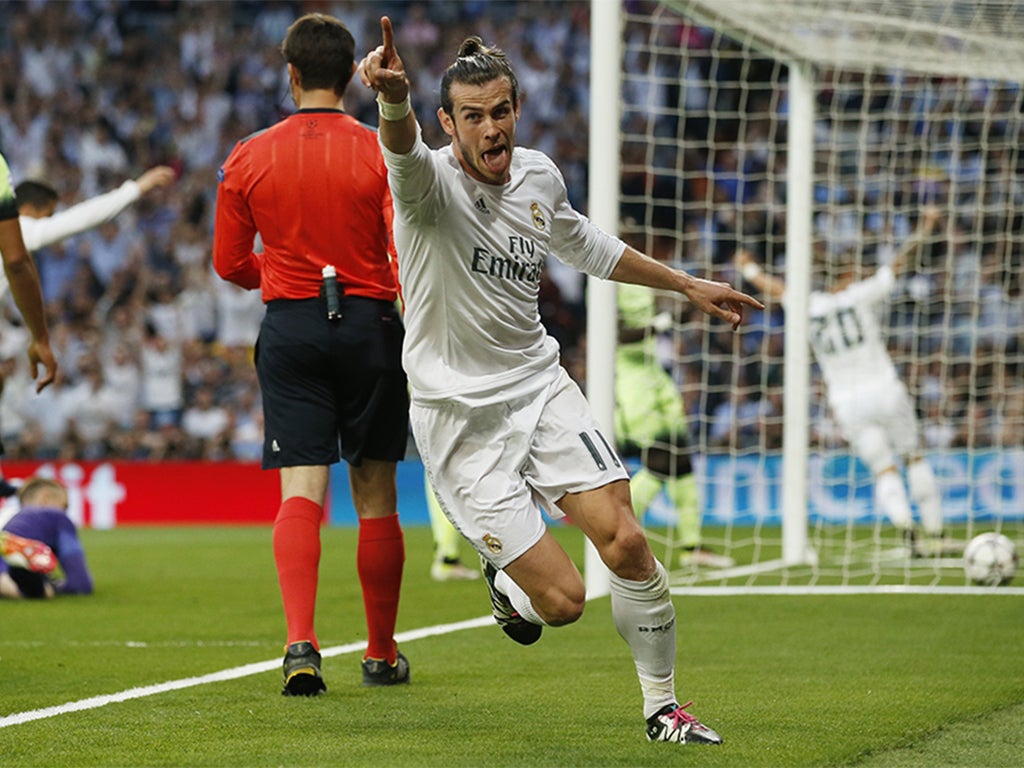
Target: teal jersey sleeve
[(8, 204)]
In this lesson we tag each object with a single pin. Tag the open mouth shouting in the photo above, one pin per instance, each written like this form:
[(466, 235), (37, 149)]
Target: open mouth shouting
[(496, 160)]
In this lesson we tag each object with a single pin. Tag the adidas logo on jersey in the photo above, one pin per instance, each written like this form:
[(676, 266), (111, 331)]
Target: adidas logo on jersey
[(481, 206)]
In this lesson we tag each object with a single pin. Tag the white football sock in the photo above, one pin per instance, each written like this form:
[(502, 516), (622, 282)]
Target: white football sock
[(646, 619), (519, 599), (892, 498)]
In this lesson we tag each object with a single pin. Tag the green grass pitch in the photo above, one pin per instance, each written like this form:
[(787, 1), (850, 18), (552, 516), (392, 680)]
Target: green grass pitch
[(853, 680)]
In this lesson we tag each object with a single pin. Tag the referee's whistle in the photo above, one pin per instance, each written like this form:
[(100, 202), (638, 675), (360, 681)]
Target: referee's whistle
[(331, 292)]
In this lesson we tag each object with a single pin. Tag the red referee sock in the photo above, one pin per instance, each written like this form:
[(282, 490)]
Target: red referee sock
[(379, 561), (297, 556)]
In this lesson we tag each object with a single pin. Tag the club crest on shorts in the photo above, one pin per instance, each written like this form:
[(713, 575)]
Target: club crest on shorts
[(538, 216), (493, 543)]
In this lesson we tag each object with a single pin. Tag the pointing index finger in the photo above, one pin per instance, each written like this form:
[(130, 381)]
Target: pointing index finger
[(388, 38)]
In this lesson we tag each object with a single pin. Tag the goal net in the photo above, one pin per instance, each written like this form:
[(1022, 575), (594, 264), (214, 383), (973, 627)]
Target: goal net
[(813, 134)]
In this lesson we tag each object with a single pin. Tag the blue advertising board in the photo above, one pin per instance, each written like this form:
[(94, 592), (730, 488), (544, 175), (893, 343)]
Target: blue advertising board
[(747, 489)]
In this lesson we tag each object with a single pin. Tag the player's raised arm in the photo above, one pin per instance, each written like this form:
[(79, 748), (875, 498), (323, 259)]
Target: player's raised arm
[(713, 298), (929, 218), (382, 69), (157, 176), (767, 284)]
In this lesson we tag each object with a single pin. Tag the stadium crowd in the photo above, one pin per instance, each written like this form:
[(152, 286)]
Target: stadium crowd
[(155, 350)]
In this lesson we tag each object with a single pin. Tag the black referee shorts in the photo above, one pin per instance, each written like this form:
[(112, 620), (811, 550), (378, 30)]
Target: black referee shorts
[(325, 381)]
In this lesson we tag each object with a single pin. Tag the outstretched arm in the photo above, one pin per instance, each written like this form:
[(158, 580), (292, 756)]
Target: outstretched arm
[(929, 217), (713, 298), (767, 284), (39, 233), (382, 69)]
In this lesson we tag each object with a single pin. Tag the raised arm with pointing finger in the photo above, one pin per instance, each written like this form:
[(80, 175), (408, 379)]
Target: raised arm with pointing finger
[(498, 422)]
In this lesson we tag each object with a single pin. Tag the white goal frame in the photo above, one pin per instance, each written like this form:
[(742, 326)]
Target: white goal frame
[(605, 108), (733, 17)]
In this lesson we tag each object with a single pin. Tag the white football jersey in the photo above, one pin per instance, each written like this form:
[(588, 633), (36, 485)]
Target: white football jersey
[(470, 257), (846, 335)]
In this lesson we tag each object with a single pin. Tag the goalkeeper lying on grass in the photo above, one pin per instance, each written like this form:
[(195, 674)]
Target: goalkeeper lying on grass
[(36, 540)]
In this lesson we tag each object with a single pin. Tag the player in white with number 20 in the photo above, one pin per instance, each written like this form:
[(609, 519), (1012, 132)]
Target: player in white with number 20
[(498, 422), (869, 401)]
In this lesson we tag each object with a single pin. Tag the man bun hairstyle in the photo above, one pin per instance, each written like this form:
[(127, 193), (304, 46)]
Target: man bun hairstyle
[(322, 49), (476, 64)]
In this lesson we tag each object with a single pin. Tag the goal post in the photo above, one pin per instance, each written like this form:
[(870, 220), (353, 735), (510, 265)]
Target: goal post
[(809, 132), (796, 382), (603, 181)]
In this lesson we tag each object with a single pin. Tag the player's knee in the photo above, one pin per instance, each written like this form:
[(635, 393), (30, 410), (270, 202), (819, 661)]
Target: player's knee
[(627, 551), (560, 607)]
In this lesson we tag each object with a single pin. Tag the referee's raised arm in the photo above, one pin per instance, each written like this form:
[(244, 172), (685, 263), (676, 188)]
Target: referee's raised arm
[(382, 69)]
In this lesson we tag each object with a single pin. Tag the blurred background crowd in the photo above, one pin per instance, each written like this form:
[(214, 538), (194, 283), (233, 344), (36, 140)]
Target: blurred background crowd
[(155, 350)]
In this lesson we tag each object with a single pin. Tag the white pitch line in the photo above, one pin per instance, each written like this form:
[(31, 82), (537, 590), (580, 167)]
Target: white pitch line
[(95, 702)]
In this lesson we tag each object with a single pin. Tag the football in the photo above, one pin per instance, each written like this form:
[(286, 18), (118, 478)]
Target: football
[(991, 559)]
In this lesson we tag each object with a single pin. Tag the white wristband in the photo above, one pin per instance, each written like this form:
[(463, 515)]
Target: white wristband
[(393, 112), (751, 271)]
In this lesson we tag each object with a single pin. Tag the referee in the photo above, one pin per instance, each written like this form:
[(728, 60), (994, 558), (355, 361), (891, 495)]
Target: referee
[(328, 357)]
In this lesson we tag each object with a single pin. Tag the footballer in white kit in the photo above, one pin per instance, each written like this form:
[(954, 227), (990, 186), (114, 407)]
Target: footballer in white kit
[(471, 256), (861, 382), (869, 401), (499, 424)]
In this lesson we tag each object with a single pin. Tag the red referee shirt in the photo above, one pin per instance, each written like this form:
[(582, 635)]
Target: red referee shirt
[(314, 187)]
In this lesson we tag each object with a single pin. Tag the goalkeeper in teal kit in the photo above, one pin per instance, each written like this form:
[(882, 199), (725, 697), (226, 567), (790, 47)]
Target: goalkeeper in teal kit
[(650, 422)]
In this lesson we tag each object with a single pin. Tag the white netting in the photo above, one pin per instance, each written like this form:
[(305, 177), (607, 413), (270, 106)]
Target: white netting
[(969, 39), (917, 103)]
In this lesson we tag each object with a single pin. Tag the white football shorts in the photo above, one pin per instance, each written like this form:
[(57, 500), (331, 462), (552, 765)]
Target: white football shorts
[(492, 467), (877, 405)]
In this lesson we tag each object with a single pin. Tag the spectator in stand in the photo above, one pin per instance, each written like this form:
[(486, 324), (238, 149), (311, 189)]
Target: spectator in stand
[(162, 380), (246, 427), (207, 426), (109, 249), (139, 441), (121, 372), (42, 520), (91, 408), (239, 314), (47, 428)]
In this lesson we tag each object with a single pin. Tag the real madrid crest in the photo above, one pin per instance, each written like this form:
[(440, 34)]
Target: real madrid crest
[(538, 216)]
